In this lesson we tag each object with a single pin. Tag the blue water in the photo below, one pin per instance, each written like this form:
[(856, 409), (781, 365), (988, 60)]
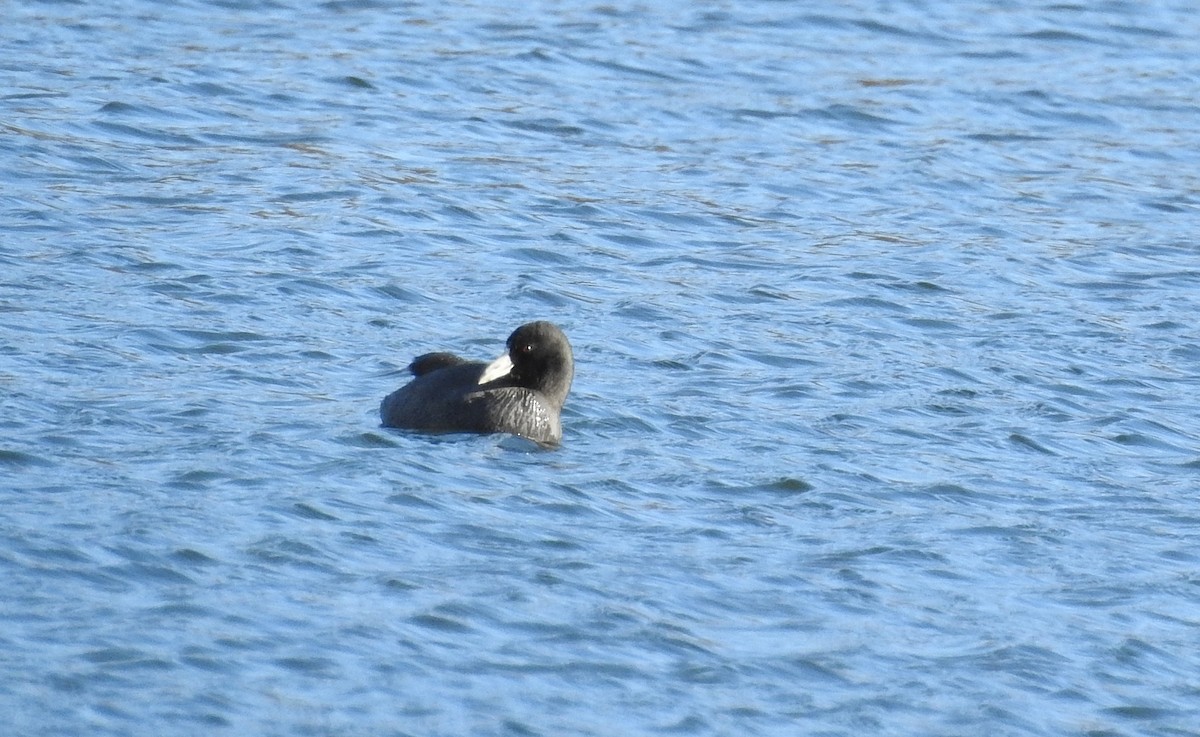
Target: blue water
[(886, 417)]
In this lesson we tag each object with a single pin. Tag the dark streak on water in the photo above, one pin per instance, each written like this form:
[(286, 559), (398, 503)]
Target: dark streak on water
[(886, 411)]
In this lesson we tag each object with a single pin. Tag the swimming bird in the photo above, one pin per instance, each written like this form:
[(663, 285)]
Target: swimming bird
[(522, 392)]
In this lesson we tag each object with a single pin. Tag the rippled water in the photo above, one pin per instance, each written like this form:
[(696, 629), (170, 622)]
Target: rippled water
[(885, 419)]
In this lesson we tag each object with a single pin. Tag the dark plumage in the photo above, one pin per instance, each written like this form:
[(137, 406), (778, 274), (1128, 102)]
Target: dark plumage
[(521, 393)]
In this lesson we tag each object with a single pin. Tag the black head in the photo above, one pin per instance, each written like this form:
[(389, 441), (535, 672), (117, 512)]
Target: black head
[(541, 360)]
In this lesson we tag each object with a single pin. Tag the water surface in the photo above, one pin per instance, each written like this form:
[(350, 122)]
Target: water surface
[(884, 417)]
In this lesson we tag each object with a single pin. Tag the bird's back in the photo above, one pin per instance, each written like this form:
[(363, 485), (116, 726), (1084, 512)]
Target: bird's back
[(450, 399)]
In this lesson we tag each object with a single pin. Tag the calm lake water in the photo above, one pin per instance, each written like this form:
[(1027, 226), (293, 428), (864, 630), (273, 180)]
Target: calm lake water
[(886, 417)]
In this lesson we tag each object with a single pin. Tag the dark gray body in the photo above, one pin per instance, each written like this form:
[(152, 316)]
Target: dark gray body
[(450, 399)]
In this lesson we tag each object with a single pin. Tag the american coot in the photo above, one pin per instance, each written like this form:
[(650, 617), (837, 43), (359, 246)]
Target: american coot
[(522, 392)]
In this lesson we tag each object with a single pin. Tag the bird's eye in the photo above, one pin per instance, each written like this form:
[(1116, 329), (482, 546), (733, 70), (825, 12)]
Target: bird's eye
[(527, 348)]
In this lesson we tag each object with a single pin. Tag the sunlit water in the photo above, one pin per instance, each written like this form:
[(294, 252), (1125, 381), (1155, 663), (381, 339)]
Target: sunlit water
[(886, 408)]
